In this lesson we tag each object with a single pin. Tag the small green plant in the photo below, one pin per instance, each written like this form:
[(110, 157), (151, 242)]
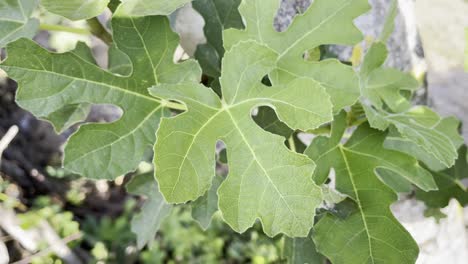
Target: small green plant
[(261, 88)]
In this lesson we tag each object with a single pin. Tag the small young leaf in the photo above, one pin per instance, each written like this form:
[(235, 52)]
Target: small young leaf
[(147, 222), (138, 8), (49, 82), (385, 105), (76, 9), (266, 181), (383, 86), (325, 22), (15, 21), (371, 233)]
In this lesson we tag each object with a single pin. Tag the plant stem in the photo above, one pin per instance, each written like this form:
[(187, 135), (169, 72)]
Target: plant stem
[(49, 27), (98, 30), (292, 145), (174, 105)]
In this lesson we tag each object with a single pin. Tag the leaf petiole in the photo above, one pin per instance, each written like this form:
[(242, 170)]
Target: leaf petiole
[(173, 105), (50, 27)]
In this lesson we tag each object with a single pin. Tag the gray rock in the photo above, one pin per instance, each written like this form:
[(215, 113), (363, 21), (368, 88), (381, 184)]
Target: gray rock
[(441, 24)]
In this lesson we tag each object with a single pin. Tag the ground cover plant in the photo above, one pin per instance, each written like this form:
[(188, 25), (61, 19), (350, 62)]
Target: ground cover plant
[(256, 90)]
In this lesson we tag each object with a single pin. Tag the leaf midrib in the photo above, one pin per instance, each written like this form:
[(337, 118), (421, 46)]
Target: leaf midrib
[(112, 87), (358, 201), (260, 164), (147, 117)]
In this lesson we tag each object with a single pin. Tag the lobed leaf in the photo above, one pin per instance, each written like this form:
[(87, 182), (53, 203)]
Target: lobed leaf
[(370, 234), (76, 9), (49, 82), (325, 22), (385, 105), (266, 181), (16, 21)]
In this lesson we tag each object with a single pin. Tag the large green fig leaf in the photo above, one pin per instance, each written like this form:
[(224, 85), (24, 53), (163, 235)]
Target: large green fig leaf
[(75, 9), (325, 22), (49, 82), (266, 181), (15, 21), (450, 184), (385, 105), (146, 224), (218, 15), (135, 8), (370, 234)]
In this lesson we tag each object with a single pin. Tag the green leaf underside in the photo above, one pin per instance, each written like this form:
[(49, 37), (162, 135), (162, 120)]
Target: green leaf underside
[(385, 106), (266, 181), (325, 22), (146, 224), (371, 234), (450, 184), (137, 8), (15, 21), (49, 82), (204, 207), (71, 114), (447, 126), (218, 15), (76, 9)]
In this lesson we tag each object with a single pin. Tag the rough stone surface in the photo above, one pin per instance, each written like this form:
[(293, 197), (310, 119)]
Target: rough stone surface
[(441, 24)]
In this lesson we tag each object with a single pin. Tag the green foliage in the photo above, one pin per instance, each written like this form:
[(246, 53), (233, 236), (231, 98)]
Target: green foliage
[(71, 79), (301, 250), (110, 237), (15, 21), (146, 224), (385, 105), (371, 233), (218, 15), (204, 207), (325, 22), (187, 242), (255, 186), (449, 184), (76, 9), (270, 86)]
